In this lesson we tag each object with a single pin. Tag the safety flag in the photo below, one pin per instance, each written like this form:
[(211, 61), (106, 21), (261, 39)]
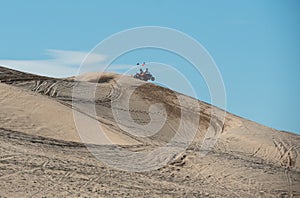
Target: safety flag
[(142, 64)]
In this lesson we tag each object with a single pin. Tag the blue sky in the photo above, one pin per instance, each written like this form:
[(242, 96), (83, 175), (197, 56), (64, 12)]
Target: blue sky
[(254, 43)]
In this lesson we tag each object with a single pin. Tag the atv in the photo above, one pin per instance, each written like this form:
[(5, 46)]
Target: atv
[(144, 76)]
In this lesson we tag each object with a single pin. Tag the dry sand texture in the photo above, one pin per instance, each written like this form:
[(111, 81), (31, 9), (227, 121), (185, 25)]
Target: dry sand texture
[(42, 154)]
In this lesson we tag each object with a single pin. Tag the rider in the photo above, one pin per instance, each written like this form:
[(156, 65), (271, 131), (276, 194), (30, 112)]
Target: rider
[(147, 72)]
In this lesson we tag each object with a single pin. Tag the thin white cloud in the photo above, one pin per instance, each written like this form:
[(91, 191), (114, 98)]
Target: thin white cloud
[(61, 63), (41, 67)]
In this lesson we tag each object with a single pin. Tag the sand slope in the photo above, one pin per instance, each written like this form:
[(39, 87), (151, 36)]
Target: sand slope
[(25, 111), (42, 153)]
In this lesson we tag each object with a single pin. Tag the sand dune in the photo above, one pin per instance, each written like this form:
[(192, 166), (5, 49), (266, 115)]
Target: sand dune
[(42, 153)]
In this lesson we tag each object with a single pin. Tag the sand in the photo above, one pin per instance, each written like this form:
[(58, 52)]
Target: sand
[(42, 153)]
